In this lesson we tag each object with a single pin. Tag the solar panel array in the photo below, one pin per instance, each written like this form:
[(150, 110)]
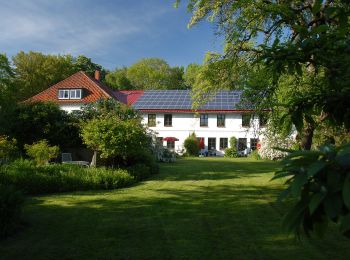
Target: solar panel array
[(181, 99)]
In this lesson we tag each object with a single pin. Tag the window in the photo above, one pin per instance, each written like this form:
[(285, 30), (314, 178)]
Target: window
[(221, 120), (211, 143), (223, 143), (246, 120), (151, 120), (69, 93), (170, 145), (203, 120), (63, 94), (253, 143), (168, 120), (242, 144), (75, 94)]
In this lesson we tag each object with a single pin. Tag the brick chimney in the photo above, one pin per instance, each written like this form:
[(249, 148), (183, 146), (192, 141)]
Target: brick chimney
[(97, 75)]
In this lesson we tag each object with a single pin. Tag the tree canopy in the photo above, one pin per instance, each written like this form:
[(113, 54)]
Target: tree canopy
[(154, 73), (307, 40), (148, 73)]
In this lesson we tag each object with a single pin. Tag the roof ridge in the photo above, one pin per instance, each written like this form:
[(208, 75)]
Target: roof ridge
[(107, 90)]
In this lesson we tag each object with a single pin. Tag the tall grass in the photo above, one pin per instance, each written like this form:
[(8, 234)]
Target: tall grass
[(25, 176)]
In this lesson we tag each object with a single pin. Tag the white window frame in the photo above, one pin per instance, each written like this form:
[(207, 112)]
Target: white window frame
[(70, 93), (76, 92), (62, 94)]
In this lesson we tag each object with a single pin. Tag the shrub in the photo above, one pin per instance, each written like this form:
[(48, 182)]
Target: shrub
[(168, 156), (254, 155), (320, 182), (231, 152), (30, 122), (41, 152), (33, 180), (269, 144), (192, 145), (233, 142), (8, 148), (139, 171), (11, 202), (146, 158)]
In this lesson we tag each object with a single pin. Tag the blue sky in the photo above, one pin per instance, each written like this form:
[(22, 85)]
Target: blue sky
[(113, 33)]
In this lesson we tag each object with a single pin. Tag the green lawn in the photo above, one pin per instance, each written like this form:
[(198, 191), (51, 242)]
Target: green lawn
[(200, 208)]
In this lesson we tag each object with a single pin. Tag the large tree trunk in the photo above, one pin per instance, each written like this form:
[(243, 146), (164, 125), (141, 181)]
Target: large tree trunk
[(308, 134)]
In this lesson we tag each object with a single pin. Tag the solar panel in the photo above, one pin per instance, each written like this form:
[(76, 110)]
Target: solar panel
[(181, 99)]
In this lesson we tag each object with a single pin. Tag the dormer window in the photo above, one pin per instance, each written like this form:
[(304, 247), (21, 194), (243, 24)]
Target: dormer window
[(69, 93)]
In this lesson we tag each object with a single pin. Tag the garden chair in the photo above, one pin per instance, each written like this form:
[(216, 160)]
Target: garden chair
[(67, 159)]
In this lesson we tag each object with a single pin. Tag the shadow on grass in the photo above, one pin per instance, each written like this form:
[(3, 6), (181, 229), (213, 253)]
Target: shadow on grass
[(216, 222)]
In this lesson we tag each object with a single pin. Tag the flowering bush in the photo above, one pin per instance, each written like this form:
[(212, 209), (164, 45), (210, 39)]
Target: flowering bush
[(271, 141)]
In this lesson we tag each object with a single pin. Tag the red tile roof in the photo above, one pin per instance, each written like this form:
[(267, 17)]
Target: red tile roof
[(128, 97), (93, 90)]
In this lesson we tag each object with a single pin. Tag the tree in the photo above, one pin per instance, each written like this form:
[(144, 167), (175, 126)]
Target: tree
[(35, 72), (302, 49), (83, 63), (115, 130), (6, 88), (191, 74), (31, 122), (114, 138), (118, 79), (154, 73), (296, 38)]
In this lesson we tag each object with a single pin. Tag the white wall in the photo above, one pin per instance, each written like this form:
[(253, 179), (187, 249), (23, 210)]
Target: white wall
[(70, 107), (183, 124)]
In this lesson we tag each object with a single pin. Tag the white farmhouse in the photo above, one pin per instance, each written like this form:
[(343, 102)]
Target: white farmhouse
[(169, 113)]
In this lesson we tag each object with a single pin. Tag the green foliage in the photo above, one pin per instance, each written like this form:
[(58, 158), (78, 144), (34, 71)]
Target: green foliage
[(191, 145), (144, 157), (305, 42), (83, 63), (41, 152), (154, 73), (31, 122), (320, 182), (118, 79), (11, 202), (8, 148), (34, 180), (36, 72), (106, 106), (7, 96), (254, 155), (114, 137), (233, 142), (139, 171), (231, 152), (115, 130), (191, 74)]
